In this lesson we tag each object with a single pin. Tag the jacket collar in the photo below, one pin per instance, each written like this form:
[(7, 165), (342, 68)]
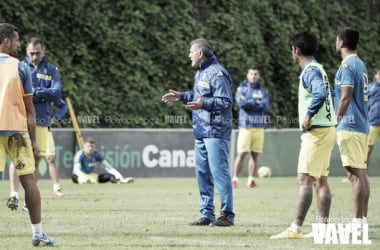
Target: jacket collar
[(257, 86), (208, 62)]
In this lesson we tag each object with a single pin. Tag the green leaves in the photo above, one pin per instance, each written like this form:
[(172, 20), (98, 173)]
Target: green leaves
[(120, 57)]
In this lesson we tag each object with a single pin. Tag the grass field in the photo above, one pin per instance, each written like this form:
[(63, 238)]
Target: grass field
[(153, 214)]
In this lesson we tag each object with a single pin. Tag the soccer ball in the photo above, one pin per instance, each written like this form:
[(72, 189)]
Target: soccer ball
[(264, 172)]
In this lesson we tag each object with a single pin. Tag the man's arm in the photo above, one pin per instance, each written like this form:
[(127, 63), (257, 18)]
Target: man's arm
[(26, 80), (239, 95), (313, 82), (112, 170), (82, 177), (31, 122), (265, 100), (62, 109), (255, 104), (221, 98), (344, 101)]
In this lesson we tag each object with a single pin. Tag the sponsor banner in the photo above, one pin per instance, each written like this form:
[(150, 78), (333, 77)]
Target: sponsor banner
[(170, 152), (133, 152)]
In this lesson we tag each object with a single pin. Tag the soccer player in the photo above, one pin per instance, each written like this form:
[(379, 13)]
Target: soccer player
[(317, 121), (351, 99), (46, 91), (252, 99), (85, 163), (17, 125), (14, 182), (211, 105), (374, 112)]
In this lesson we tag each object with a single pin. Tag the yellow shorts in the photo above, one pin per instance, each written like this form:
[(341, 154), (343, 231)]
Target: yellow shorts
[(374, 133), (250, 140), (315, 153), (45, 141), (353, 147), (19, 149)]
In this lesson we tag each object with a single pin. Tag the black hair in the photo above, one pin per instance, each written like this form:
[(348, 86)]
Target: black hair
[(349, 37), (254, 67), (307, 42), (7, 31), (35, 41)]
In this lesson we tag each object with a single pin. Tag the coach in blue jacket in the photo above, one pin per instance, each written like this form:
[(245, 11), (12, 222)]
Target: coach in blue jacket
[(211, 105)]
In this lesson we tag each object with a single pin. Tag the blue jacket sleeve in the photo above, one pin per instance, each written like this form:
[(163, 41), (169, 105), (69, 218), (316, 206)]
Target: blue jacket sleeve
[(313, 81), (187, 96), (241, 94), (238, 96), (332, 91), (265, 101), (222, 96), (255, 104), (26, 78), (62, 108)]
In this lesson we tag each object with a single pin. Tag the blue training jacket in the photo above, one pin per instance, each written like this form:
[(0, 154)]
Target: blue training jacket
[(46, 89), (253, 102), (374, 103), (213, 83)]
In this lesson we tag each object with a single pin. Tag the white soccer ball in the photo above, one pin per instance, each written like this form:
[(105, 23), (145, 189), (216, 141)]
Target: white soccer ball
[(264, 172)]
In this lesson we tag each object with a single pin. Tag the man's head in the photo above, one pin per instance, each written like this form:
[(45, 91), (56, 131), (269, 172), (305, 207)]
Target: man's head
[(9, 39), (200, 50), (377, 74), (346, 37), (253, 75), (35, 50), (304, 44), (89, 146)]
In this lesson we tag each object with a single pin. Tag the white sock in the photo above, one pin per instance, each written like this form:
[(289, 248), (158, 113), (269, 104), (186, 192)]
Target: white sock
[(14, 194), (37, 229), (356, 221), (364, 220), (56, 187), (250, 179), (235, 178), (295, 228)]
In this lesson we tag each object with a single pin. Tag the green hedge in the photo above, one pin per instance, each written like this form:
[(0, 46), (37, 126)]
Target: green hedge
[(117, 58)]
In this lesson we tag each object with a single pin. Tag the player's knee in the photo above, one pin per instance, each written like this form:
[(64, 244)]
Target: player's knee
[(352, 177), (355, 174), (322, 181), (241, 155), (304, 180)]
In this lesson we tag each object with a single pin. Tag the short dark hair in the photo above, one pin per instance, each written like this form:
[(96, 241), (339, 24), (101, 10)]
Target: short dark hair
[(349, 37), (7, 31), (35, 41), (377, 69), (204, 46), (307, 42), (254, 67)]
